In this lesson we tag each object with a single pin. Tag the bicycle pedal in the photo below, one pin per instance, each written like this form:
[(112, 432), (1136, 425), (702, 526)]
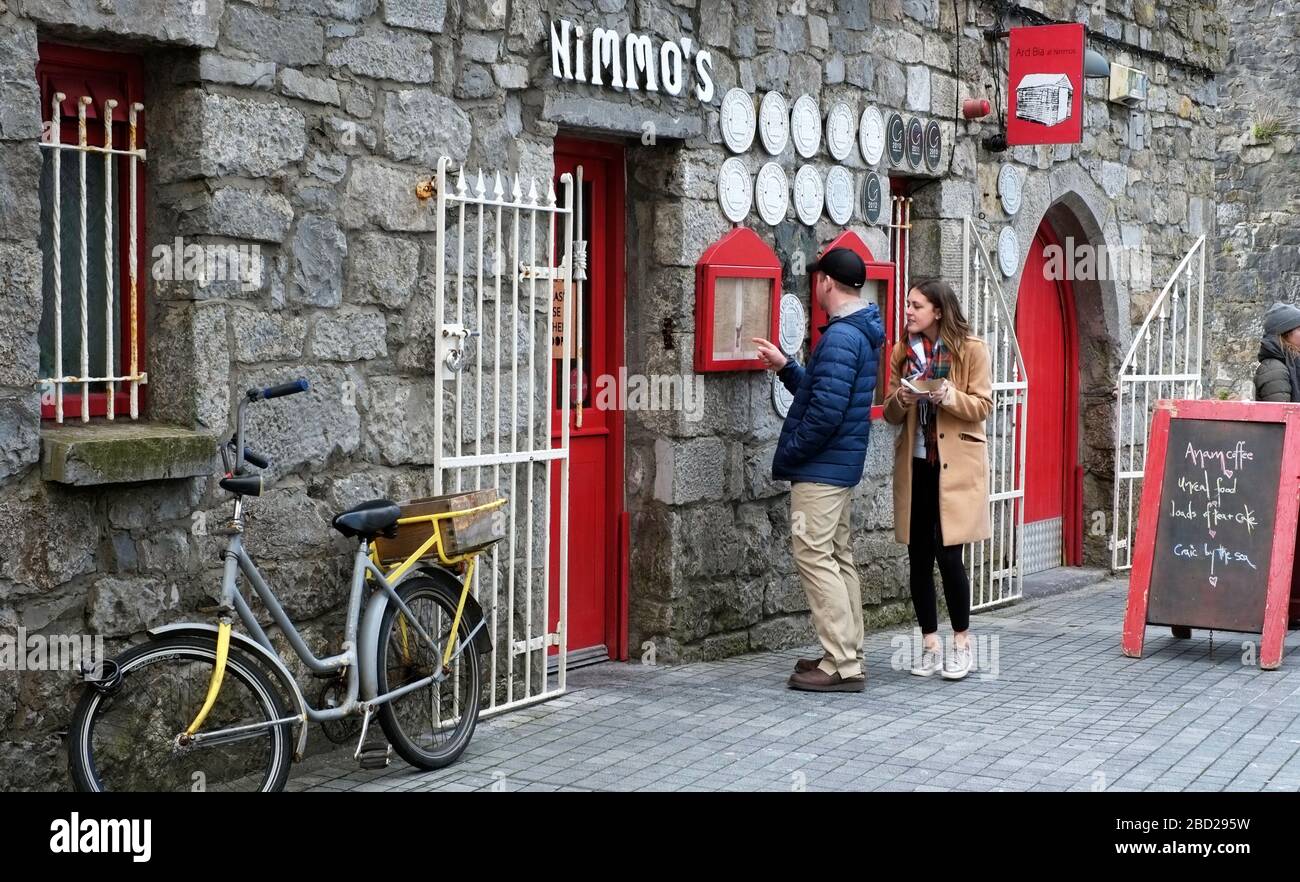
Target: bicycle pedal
[(375, 755)]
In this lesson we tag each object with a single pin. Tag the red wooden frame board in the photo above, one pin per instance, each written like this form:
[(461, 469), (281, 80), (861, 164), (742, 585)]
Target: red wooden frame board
[(1278, 591), (741, 253)]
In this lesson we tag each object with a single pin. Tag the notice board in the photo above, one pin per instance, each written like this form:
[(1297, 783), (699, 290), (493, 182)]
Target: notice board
[(1216, 537)]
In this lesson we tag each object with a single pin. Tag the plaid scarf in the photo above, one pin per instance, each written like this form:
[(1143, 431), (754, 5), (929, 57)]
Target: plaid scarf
[(928, 360)]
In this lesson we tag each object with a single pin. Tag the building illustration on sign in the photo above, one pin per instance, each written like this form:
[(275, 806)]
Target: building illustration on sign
[(1046, 98)]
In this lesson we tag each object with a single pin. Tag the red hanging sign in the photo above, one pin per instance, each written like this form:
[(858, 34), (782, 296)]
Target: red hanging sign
[(1045, 85)]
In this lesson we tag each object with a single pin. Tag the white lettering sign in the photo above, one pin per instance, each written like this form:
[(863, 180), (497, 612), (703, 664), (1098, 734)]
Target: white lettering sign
[(630, 62)]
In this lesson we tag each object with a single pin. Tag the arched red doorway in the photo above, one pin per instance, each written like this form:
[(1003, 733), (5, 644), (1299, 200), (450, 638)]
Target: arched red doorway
[(1047, 328)]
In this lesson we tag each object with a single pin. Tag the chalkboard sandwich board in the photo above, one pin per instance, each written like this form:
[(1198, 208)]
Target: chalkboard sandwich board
[(1216, 536)]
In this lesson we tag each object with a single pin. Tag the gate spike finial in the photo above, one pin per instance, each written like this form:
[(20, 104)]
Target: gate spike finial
[(461, 189), (532, 191), (479, 188), (516, 193), (497, 190), (550, 193)]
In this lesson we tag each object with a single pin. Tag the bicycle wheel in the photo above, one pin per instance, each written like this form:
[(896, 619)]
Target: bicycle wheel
[(431, 726), (125, 739)]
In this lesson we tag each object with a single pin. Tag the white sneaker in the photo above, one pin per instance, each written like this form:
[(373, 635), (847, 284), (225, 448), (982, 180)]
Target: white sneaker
[(931, 662), (958, 663)]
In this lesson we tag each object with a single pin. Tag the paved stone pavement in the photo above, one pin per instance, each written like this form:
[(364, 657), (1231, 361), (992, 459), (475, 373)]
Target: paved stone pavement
[(1057, 707)]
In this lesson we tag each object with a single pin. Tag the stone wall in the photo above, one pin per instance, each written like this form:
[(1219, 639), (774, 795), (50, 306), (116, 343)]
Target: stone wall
[(303, 125), (1257, 252)]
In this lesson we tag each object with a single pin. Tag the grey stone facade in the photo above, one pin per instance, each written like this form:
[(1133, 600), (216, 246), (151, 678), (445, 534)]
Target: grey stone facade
[(1258, 175), (304, 125)]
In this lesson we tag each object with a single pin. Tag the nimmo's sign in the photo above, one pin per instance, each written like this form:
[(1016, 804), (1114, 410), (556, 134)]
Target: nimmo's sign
[(1045, 85), (629, 62)]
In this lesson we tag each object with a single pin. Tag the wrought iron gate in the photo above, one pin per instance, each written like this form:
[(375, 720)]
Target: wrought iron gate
[(994, 565), (1156, 367), (493, 414)]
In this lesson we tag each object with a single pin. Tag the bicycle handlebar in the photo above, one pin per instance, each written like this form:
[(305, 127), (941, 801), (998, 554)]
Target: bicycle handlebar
[(293, 387)]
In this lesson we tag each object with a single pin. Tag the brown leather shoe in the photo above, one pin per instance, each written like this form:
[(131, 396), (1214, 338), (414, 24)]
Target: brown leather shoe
[(806, 664), (818, 680)]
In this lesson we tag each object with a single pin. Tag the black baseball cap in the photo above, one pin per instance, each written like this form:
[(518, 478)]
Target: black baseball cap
[(843, 266)]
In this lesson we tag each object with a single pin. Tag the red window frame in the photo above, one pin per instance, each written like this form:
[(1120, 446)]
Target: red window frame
[(74, 71)]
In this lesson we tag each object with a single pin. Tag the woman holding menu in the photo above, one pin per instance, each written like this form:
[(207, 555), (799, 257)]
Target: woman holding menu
[(940, 390)]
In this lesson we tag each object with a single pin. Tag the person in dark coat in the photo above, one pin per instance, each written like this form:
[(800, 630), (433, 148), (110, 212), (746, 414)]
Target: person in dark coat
[(821, 452), (1278, 376)]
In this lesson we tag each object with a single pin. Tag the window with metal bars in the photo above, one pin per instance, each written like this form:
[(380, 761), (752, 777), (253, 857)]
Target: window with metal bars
[(92, 357)]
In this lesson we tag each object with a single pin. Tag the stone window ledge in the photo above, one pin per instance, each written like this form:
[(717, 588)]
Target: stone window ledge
[(115, 453)]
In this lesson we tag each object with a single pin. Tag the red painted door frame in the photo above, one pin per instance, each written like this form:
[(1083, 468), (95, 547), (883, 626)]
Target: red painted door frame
[(569, 153), (1072, 475)]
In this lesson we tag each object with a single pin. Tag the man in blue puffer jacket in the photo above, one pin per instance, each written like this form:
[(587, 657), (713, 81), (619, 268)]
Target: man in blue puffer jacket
[(821, 452)]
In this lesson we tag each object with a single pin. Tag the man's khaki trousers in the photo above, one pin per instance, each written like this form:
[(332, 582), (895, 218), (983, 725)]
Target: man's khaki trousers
[(823, 552)]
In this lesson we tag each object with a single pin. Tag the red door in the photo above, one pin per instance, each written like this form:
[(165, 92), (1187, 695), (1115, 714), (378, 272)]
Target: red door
[(1045, 326), (597, 602)]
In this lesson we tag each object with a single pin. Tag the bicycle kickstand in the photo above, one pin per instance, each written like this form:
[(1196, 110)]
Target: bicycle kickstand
[(376, 754)]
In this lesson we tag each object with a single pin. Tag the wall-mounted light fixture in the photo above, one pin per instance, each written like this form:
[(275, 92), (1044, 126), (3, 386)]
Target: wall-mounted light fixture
[(1095, 65)]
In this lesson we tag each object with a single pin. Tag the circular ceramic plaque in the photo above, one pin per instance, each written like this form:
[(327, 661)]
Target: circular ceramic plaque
[(738, 120), (933, 146), (1008, 252), (806, 126), (735, 189), (895, 138), (808, 194), (871, 135), (774, 123), (794, 324), (781, 397), (839, 131), (875, 193), (772, 193), (839, 194), (1010, 189)]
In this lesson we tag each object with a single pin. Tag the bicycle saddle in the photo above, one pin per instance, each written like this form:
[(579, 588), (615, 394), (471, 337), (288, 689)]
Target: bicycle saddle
[(369, 519)]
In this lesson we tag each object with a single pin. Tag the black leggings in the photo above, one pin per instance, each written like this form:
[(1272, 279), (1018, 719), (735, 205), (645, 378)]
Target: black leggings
[(927, 546)]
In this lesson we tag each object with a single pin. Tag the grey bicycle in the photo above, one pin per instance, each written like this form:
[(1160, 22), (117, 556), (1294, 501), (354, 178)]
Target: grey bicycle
[(199, 706)]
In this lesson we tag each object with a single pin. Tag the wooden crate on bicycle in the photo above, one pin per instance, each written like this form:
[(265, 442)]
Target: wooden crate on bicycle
[(460, 534)]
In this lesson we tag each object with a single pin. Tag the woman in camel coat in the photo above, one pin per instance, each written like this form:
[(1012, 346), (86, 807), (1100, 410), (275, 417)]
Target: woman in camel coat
[(940, 462)]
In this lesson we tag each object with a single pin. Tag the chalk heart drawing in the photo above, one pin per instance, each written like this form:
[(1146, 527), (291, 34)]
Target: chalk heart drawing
[(1214, 581)]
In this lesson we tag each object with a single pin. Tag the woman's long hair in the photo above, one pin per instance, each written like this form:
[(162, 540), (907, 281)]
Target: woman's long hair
[(953, 327)]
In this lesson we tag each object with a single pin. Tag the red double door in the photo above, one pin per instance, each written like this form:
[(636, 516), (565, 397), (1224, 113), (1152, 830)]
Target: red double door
[(1046, 328), (597, 523)]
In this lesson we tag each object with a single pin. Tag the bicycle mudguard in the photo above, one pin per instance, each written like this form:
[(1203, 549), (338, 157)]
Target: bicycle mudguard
[(372, 618), (243, 641)]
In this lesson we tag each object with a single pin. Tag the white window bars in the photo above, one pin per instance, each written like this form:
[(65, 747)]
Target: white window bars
[(1163, 361), (115, 368), (995, 564)]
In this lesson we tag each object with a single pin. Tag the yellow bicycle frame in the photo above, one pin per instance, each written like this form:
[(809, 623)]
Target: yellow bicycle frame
[(434, 542)]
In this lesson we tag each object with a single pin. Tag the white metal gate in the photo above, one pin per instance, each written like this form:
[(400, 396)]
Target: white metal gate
[(1164, 361), (496, 267), (995, 564)]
